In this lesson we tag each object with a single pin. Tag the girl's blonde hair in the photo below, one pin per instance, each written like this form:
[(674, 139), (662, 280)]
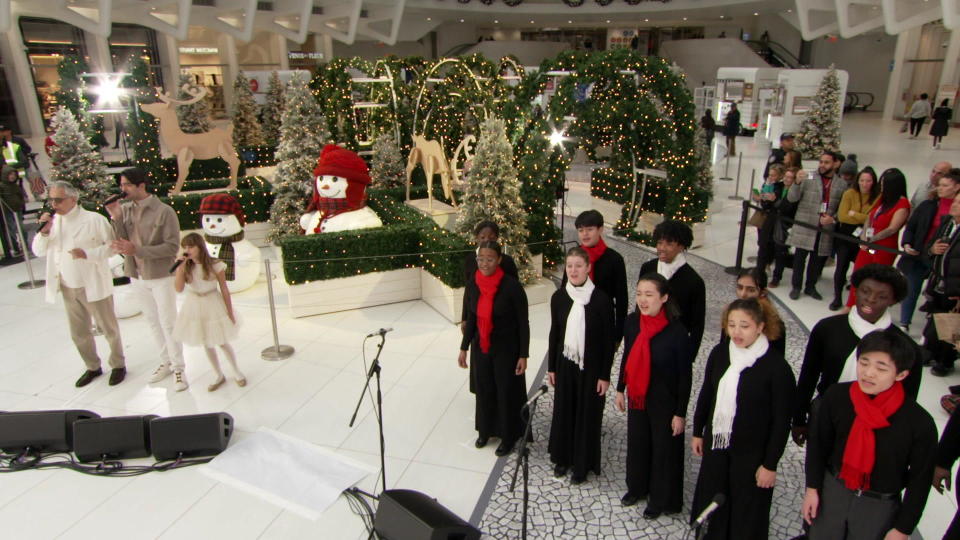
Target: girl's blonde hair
[(206, 261), (761, 311)]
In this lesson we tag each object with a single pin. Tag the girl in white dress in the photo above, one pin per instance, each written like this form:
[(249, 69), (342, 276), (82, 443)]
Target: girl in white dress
[(206, 318)]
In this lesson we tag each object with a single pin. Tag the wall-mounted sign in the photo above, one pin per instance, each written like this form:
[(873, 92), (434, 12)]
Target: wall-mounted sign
[(199, 50), (301, 55), (801, 104)]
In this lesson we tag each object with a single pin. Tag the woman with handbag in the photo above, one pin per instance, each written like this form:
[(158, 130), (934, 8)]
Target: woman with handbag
[(765, 220), (943, 289), (854, 206)]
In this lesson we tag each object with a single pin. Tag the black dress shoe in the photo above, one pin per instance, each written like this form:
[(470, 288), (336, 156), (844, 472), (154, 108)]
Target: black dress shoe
[(941, 370), (577, 480), (481, 442), (648, 513), (117, 375), (629, 499), (835, 305), (955, 389), (560, 471), (88, 376), (795, 294), (503, 449), (812, 293)]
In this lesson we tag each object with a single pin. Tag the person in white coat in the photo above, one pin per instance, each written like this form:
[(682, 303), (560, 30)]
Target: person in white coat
[(76, 243)]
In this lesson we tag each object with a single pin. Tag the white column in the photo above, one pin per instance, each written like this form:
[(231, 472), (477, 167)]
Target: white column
[(18, 71), (949, 73), (282, 47), (99, 49), (169, 59), (899, 81), (324, 43), (228, 56)]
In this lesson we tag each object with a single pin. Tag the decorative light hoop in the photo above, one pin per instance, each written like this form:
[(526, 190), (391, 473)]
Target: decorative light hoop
[(426, 80)]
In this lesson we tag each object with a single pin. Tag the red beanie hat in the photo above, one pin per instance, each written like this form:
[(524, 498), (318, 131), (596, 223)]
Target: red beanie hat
[(336, 161), (221, 203)]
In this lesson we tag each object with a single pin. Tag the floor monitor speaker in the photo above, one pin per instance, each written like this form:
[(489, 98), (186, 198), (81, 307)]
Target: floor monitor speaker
[(404, 514), (47, 431), (190, 436), (118, 437)]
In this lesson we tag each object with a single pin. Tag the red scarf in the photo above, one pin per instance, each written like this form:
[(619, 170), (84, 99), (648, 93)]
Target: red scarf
[(638, 361), (328, 208), (860, 453), (595, 253), (488, 286)]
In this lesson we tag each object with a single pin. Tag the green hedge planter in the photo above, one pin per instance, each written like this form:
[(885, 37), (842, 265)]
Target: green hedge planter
[(254, 193)]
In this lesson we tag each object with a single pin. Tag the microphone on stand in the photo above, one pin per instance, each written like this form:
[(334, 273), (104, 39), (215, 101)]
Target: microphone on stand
[(543, 390), (380, 332), (718, 500)]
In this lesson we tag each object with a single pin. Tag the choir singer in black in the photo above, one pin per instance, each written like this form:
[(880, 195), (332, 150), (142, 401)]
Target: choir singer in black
[(497, 333), (656, 372), (741, 425), (580, 356)]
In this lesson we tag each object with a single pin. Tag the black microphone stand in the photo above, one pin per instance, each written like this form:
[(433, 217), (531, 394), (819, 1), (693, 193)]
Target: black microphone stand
[(375, 370), (523, 461)]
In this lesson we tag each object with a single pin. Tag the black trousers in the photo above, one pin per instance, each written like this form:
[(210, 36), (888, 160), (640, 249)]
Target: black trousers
[(953, 531), (943, 353), (654, 460), (746, 513), (915, 125), (814, 267), (846, 255)]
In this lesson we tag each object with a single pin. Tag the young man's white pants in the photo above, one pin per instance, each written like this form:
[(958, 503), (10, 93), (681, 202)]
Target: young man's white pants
[(158, 300)]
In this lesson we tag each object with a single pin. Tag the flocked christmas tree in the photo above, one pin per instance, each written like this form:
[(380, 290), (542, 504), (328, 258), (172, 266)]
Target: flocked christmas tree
[(820, 128), (273, 110), (303, 133), (75, 96), (75, 160), (193, 118), (246, 128), (493, 193), (387, 168), (702, 159)]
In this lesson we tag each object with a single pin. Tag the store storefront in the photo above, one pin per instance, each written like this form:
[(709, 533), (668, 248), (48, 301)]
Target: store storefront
[(8, 111), (47, 42), (128, 41)]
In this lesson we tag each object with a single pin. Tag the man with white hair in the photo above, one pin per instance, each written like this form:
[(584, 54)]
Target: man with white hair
[(76, 243)]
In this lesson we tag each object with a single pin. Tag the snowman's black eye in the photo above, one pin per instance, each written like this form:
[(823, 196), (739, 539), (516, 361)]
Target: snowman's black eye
[(219, 220)]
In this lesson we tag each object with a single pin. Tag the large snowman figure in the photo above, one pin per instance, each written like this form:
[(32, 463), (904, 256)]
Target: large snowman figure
[(339, 202), (222, 219)]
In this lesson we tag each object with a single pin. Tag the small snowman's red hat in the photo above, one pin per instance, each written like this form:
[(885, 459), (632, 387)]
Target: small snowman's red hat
[(336, 161)]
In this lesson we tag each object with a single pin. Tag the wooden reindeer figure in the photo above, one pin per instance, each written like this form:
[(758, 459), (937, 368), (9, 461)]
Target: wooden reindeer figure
[(217, 142), (429, 154)]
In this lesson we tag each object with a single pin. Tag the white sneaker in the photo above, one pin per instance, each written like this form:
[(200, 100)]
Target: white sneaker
[(181, 382), (160, 373)]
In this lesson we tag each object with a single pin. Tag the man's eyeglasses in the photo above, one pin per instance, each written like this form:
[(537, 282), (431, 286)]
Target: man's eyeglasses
[(57, 200)]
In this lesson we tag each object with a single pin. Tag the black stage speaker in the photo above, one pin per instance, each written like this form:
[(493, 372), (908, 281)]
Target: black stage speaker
[(47, 431), (404, 514), (193, 435), (119, 437)]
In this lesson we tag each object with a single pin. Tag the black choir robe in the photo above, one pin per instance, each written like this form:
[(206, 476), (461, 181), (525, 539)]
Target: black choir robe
[(690, 293), (500, 392), (507, 264), (654, 456), (760, 429), (577, 409), (831, 342), (948, 450), (610, 276)]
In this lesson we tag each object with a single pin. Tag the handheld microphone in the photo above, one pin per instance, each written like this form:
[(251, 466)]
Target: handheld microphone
[(114, 198), (380, 332), (717, 502), (543, 390), (176, 265)]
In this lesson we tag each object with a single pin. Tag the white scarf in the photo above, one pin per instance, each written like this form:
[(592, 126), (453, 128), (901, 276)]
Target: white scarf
[(667, 270), (861, 327), (725, 409), (575, 334)]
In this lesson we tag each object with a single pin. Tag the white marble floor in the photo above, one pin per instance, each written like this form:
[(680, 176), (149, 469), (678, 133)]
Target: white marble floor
[(428, 410)]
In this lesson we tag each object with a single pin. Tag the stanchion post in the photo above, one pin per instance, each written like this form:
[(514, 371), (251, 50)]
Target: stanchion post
[(734, 270), (34, 283), (726, 167), (277, 351), (736, 190)]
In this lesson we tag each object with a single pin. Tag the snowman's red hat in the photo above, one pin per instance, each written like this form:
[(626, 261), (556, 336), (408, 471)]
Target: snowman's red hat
[(336, 161), (221, 203)]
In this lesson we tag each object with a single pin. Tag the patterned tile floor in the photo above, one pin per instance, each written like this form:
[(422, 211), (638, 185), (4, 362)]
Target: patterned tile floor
[(592, 509)]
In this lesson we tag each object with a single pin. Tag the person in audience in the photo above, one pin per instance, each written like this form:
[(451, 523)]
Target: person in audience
[(778, 155), (709, 126), (830, 356), (741, 424), (948, 450), (781, 229), (580, 352), (752, 283), (656, 373), (854, 207), (941, 122), (917, 236), (672, 239), (767, 198), (792, 158), (943, 289), (607, 269), (731, 128), (818, 199), (848, 170), (76, 243), (928, 190), (883, 224), (497, 334), (869, 444), (919, 112), (14, 202)]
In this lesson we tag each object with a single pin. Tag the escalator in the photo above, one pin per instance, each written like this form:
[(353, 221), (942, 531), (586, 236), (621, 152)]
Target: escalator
[(775, 54)]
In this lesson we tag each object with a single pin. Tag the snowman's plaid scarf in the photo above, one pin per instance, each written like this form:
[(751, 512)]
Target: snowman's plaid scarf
[(227, 254)]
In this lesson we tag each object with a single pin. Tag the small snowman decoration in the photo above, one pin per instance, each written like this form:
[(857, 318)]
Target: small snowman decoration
[(339, 199), (222, 219)]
